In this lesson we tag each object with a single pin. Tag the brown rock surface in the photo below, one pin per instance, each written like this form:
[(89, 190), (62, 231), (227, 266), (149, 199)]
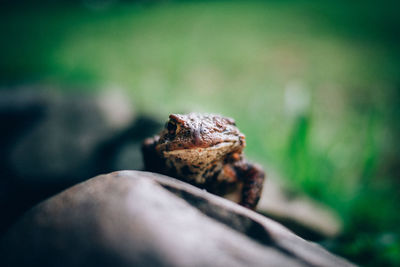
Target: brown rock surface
[(52, 139), (132, 218)]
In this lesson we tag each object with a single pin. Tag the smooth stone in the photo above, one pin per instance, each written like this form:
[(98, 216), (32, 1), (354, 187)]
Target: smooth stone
[(133, 218)]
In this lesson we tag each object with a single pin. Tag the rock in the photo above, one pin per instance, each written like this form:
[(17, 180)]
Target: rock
[(62, 144), (53, 140), (132, 218), (303, 215), (54, 136)]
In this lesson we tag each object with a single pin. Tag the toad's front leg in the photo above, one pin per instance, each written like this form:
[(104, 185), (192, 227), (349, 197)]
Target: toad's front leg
[(253, 179)]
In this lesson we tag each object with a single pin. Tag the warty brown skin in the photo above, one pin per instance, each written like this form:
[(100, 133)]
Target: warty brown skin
[(205, 150)]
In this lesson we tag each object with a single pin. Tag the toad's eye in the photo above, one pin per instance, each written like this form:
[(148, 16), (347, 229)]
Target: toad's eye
[(171, 127)]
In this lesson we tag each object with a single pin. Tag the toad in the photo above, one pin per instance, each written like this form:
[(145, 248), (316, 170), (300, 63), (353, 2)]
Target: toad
[(207, 151)]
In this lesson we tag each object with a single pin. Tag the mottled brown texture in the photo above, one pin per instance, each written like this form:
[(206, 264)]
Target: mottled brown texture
[(251, 191), (205, 150), (196, 130)]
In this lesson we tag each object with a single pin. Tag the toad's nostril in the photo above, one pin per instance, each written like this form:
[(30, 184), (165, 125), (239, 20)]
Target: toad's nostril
[(171, 127)]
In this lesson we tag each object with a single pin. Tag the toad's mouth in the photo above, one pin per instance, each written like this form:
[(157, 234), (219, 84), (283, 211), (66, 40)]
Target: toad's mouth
[(201, 156), (220, 146)]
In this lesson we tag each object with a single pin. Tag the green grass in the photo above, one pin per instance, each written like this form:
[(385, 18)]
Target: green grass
[(337, 63)]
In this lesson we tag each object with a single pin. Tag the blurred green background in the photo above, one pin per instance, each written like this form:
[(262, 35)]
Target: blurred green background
[(314, 86)]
